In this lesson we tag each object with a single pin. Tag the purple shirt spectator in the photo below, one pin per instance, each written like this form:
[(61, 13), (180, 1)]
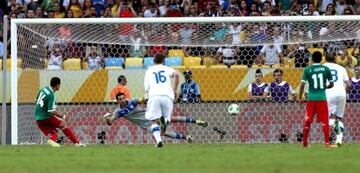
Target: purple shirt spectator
[(280, 92), (258, 90), (354, 94)]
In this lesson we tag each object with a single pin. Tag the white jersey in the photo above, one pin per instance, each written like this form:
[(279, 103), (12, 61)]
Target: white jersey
[(339, 76), (55, 62), (157, 81), (94, 63)]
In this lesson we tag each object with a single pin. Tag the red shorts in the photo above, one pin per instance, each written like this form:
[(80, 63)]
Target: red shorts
[(320, 108), (49, 125)]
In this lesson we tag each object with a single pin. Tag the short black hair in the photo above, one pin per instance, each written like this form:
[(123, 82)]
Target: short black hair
[(55, 81), (330, 57), (316, 57), (258, 71), (118, 95), (278, 71), (159, 59), (121, 78)]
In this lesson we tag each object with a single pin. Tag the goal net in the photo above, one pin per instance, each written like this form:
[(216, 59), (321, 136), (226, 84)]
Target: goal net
[(223, 55)]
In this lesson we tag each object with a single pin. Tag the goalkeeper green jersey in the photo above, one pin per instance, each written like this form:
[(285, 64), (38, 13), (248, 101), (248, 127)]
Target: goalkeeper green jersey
[(45, 103), (316, 75)]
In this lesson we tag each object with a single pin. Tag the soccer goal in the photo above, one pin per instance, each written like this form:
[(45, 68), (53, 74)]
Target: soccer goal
[(222, 53)]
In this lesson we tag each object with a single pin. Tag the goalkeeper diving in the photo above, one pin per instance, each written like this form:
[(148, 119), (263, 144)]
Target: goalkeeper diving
[(129, 109)]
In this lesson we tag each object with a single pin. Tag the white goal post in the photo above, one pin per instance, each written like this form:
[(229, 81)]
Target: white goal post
[(39, 38)]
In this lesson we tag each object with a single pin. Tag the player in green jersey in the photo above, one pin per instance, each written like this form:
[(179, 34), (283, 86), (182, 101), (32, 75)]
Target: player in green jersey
[(316, 75), (48, 119)]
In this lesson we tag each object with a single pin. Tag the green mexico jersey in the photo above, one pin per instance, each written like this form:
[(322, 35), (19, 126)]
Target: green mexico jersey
[(316, 75), (45, 103)]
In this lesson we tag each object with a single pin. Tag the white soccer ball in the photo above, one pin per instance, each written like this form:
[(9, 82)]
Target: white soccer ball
[(234, 109)]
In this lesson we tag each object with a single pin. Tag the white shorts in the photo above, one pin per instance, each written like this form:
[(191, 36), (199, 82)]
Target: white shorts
[(159, 106), (336, 105)]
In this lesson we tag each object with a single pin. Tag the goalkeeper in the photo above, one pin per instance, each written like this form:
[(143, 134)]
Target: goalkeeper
[(129, 109)]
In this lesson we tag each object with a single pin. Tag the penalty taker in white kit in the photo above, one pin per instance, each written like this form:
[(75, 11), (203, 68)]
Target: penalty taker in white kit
[(130, 110), (336, 96)]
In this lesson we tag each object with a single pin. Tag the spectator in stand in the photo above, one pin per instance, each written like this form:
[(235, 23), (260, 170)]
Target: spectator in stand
[(340, 5), (75, 8), (12, 6), (313, 11), (86, 9), (174, 11), (95, 62), (212, 10), (51, 14), (193, 11), (107, 12), (279, 90), (285, 5), (48, 5), (348, 11), (254, 8), (20, 11), (59, 13), (330, 10), (266, 9), (32, 5), (354, 94), (345, 60), (323, 6), (69, 14), (186, 33), (228, 55), (185, 6), (164, 8), (272, 54), (99, 6), (234, 30), (243, 8), (39, 13), (152, 12), (126, 10), (55, 59), (30, 14)]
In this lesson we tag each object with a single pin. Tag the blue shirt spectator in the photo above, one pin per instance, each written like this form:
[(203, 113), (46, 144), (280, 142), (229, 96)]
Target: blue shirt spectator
[(189, 90)]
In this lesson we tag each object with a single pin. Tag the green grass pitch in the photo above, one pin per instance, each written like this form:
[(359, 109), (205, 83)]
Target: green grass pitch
[(180, 158)]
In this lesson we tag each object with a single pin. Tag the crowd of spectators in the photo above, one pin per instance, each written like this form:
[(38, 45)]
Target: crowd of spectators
[(228, 55), (176, 8)]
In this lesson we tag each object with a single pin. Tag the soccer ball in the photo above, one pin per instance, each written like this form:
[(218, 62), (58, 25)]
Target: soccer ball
[(234, 109)]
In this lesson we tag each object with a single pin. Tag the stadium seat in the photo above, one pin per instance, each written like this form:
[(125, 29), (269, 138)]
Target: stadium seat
[(114, 62), (176, 53), (8, 64), (221, 66), (198, 66), (208, 61), (313, 49), (133, 63), (173, 61), (148, 61), (72, 64), (192, 61), (239, 67)]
